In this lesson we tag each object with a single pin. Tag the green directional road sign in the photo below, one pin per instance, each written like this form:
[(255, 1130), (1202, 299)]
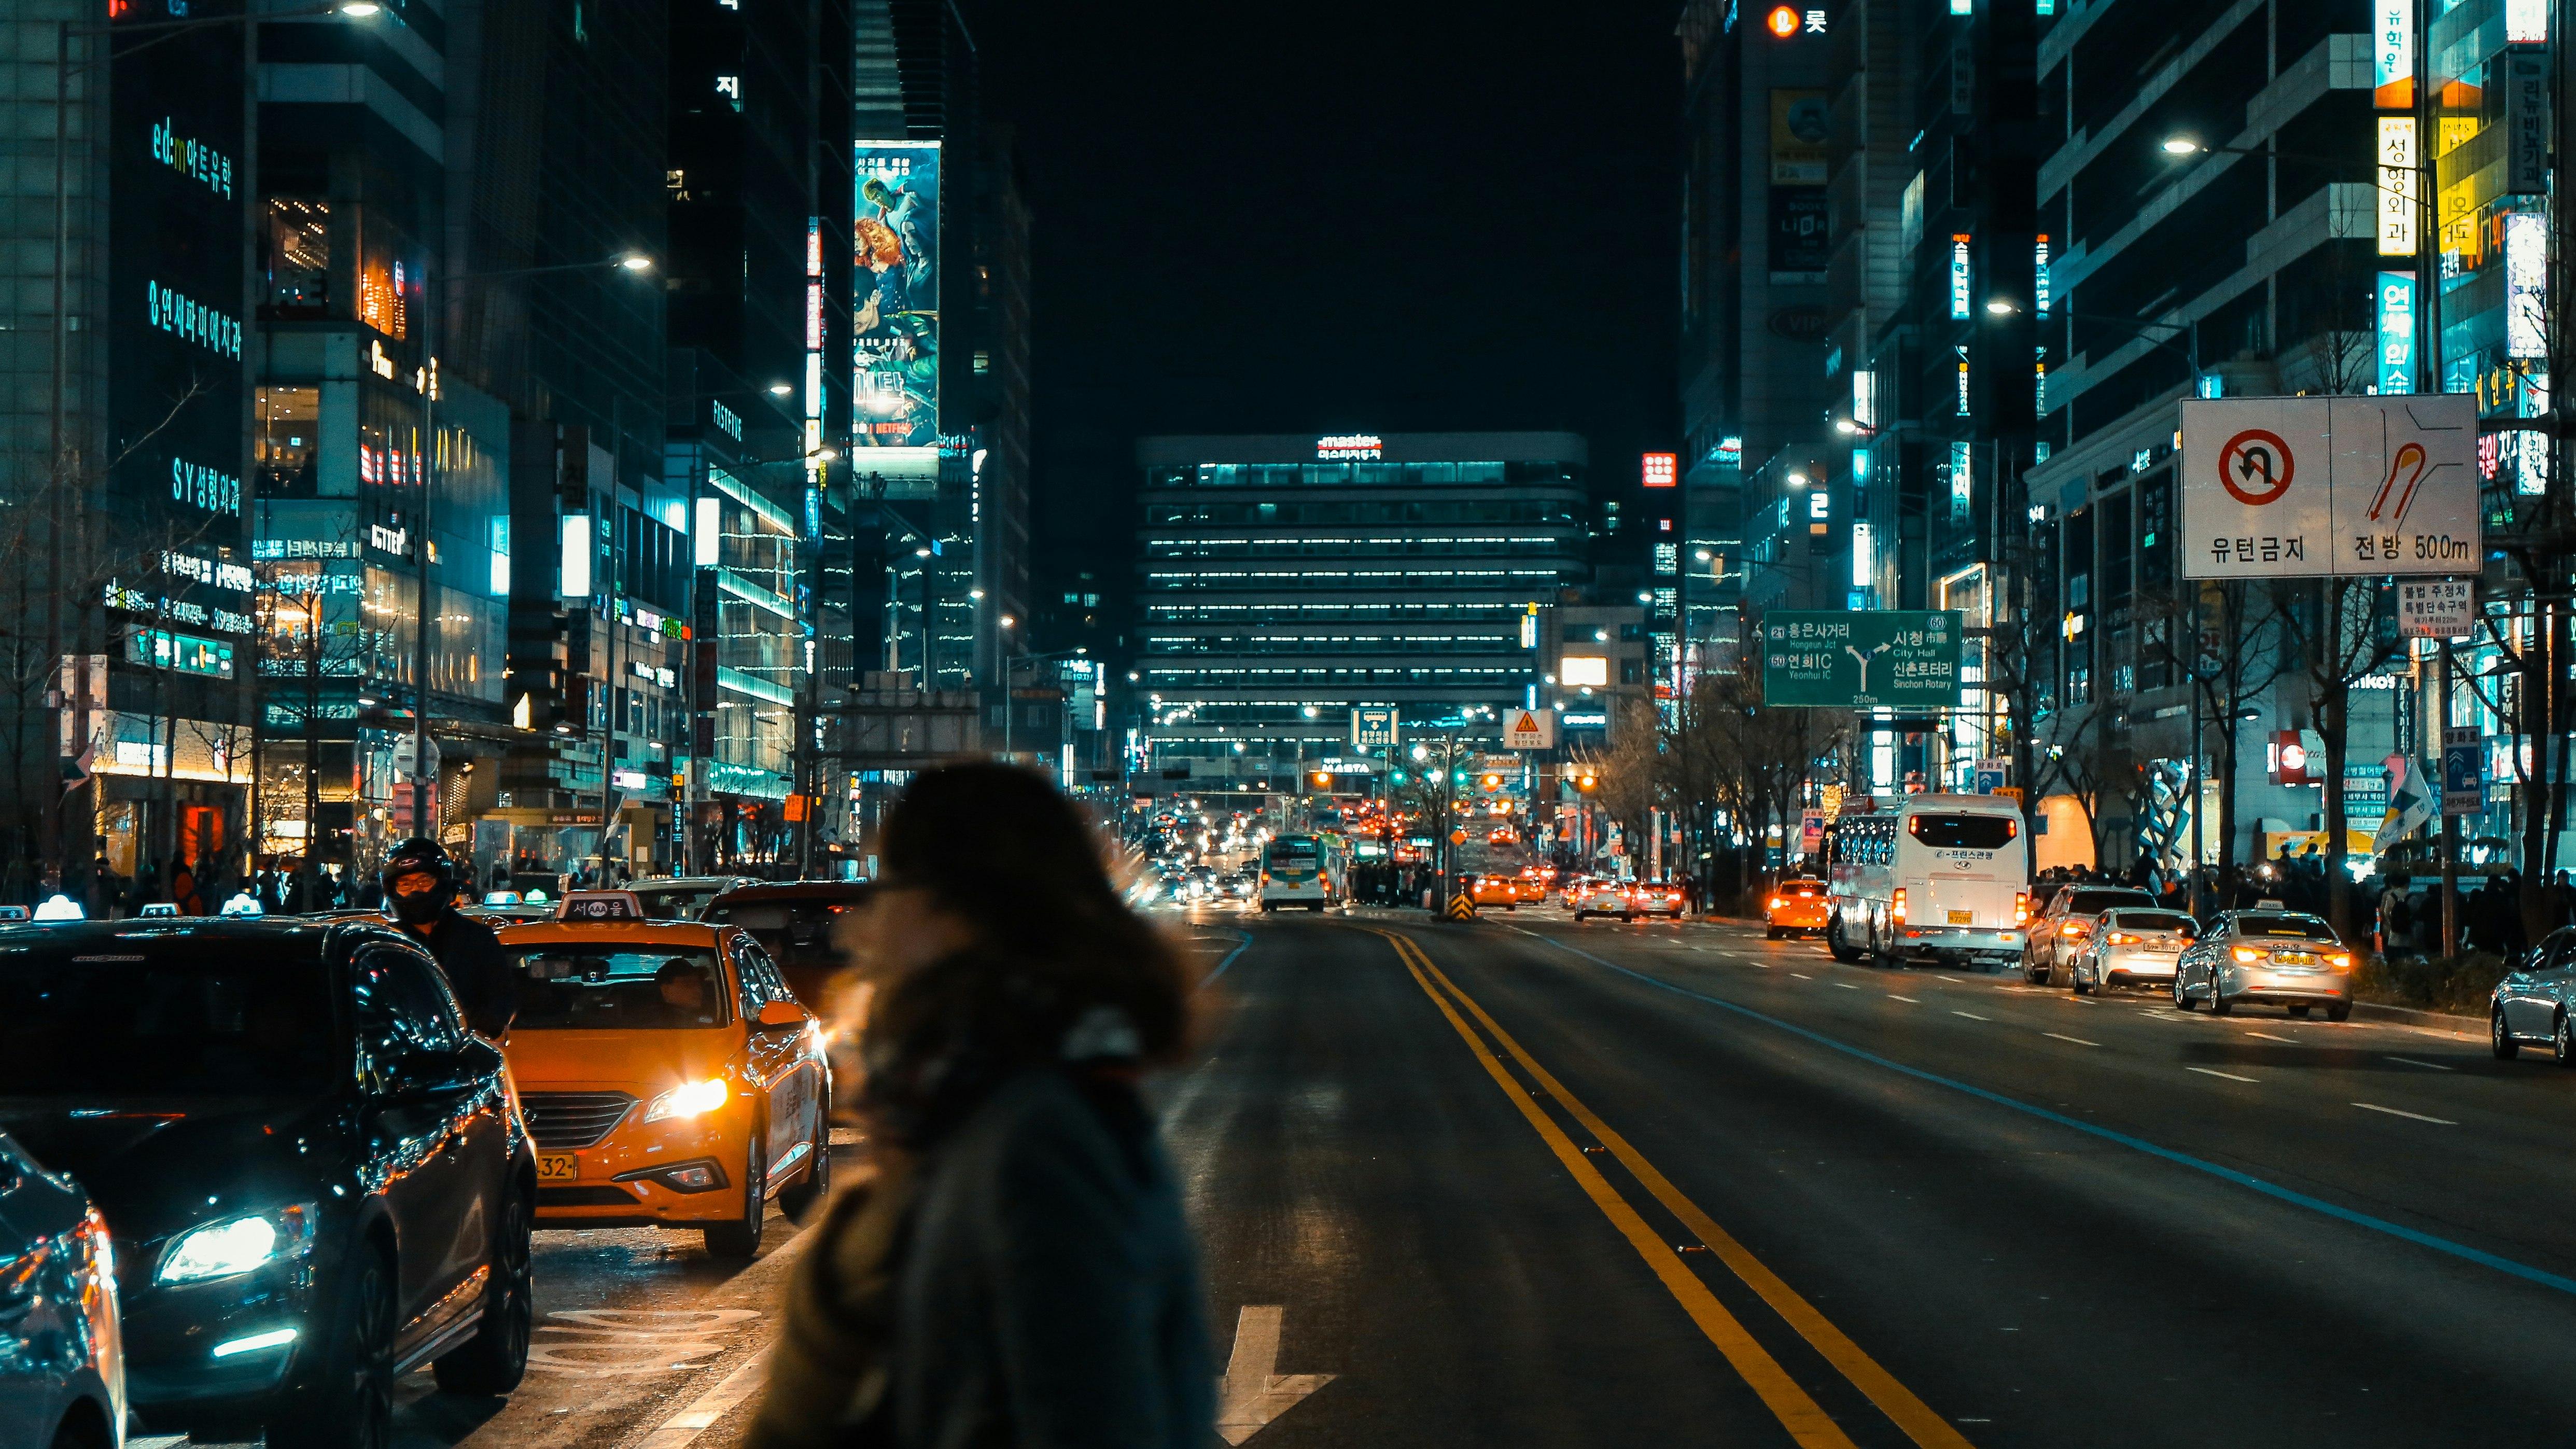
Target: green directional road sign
[(1841, 660)]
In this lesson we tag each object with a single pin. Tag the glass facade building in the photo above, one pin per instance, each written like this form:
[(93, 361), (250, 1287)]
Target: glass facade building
[(1285, 580)]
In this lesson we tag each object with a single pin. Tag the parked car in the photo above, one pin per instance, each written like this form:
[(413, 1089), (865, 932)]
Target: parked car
[(2282, 957), (2531, 1005), (795, 921), (62, 1354), (1794, 906), (2066, 925), (2131, 947), (317, 1177)]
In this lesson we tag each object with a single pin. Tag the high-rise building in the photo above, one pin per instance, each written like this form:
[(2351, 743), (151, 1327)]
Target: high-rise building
[(1285, 580)]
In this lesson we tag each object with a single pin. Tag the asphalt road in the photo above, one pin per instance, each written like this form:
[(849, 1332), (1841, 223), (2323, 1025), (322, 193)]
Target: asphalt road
[(1534, 1183), (1522, 1182)]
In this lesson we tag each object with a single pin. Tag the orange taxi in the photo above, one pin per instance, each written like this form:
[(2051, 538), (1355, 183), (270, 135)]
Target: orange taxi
[(669, 1076), (1495, 890), (1794, 906)]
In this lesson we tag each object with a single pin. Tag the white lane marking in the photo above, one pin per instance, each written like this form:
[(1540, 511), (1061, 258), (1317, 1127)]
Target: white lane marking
[(2267, 1036), (1801, 975), (685, 1426), (2417, 1116), (606, 1342), (1972, 1016), (1892, 996), (1847, 986), (2436, 1066), (2079, 1041), (2215, 1072), (2082, 1000), (1251, 1395), (1953, 980)]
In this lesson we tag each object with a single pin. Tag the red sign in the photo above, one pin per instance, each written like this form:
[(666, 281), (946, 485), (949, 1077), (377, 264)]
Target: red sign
[(1783, 21), (1663, 470), (2256, 466)]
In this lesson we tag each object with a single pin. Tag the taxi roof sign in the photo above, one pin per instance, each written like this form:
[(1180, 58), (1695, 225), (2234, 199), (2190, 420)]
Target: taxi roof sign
[(600, 906)]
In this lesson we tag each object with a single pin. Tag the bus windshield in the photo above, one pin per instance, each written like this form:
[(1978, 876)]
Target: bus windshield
[(1292, 852), (1965, 832)]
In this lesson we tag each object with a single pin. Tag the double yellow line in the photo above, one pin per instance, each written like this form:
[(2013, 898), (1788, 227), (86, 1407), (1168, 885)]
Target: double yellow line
[(1807, 1423)]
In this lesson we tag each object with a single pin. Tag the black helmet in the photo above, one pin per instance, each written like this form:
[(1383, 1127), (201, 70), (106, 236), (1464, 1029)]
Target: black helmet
[(419, 855)]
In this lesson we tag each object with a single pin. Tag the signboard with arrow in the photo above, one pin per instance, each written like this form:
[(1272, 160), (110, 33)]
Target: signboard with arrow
[(1841, 660), (2303, 487)]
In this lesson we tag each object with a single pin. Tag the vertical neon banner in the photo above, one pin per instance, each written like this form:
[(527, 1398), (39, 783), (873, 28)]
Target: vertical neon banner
[(2395, 310)]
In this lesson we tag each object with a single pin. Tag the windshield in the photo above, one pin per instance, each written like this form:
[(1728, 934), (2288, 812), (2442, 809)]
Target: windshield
[(1965, 832), (796, 933), (1293, 853), (178, 1018), (2303, 928), (574, 987), (676, 902), (2152, 921), (1799, 888)]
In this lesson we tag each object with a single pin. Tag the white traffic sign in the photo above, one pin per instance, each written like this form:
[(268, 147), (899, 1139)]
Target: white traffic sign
[(1529, 729), (2436, 609), (2303, 487)]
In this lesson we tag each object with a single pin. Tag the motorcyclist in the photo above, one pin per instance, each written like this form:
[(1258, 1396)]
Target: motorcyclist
[(420, 896)]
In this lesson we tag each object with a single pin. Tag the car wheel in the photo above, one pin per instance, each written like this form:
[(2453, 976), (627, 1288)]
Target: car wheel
[(1773, 934), (2032, 971), (741, 1237), (2075, 981), (1834, 942), (2562, 1041), (2339, 1011), (350, 1402), (494, 1360), (2219, 1005), (816, 1185), (2182, 1000), (2499, 1040)]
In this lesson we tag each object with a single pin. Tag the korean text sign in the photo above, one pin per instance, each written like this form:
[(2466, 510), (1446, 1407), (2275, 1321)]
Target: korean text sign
[(2303, 487), (1840, 660)]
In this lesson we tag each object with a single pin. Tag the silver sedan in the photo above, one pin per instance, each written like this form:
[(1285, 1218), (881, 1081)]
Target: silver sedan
[(2281, 957), (2131, 947)]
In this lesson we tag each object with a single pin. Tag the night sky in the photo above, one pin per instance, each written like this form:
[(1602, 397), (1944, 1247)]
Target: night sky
[(1381, 217)]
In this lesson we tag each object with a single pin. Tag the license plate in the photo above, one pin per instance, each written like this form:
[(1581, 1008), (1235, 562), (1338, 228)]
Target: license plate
[(558, 1167), (2294, 958), (1962, 918)]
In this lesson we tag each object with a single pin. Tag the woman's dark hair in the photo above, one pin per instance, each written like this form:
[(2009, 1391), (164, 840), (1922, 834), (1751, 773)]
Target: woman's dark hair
[(1000, 848)]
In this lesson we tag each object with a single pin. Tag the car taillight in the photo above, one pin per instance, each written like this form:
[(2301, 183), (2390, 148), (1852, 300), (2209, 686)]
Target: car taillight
[(2123, 938), (2021, 909), (1896, 907), (2342, 962), (2075, 928), (1265, 877), (2247, 954)]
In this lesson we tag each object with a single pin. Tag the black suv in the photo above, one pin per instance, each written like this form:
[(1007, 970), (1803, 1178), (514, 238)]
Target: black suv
[(316, 1177)]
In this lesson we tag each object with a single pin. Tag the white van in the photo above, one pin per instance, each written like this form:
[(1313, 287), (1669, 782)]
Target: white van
[(1294, 872), (1943, 876)]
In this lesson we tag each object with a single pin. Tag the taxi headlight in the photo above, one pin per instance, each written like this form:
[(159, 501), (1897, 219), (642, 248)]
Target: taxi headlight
[(689, 1099), (237, 1245)]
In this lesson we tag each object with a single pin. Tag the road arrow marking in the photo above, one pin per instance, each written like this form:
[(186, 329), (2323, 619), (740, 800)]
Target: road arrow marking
[(1250, 1395)]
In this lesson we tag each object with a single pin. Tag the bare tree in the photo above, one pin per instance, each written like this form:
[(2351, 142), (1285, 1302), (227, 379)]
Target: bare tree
[(2336, 632)]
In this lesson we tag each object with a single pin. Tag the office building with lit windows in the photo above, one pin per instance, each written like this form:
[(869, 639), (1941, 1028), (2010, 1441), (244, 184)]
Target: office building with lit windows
[(1286, 579)]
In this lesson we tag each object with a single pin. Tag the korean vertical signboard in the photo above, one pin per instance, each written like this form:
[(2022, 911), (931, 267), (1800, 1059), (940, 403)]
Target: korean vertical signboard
[(895, 291), (1800, 240), (2394, 311), (177, 329)]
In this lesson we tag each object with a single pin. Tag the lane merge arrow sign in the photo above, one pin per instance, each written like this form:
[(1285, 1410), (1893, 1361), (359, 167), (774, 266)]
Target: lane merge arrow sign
[(1250, 1395)]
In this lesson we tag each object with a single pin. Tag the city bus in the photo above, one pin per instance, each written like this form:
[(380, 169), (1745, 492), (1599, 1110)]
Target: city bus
[(1297, 870), (1939, 876)]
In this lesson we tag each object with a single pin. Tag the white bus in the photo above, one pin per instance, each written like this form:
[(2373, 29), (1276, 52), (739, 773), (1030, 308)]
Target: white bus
[(1939, 876), (1296, 871)]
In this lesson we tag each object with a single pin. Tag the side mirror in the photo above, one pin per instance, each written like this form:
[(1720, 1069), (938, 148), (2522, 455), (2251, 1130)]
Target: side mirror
[(417, 1074), (779, 1015)]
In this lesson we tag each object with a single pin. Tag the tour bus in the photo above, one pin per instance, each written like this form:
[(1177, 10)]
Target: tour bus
[(1939, 876), (1295, 871)]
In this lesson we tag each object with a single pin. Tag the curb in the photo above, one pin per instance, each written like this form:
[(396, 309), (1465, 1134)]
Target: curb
[(2475, 1026)]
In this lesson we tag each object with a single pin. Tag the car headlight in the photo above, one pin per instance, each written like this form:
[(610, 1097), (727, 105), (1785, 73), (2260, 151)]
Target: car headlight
[(237, 1245), (689, 1099)]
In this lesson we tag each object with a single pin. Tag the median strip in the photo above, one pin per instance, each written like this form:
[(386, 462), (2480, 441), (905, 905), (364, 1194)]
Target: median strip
[(2413, 1116)]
